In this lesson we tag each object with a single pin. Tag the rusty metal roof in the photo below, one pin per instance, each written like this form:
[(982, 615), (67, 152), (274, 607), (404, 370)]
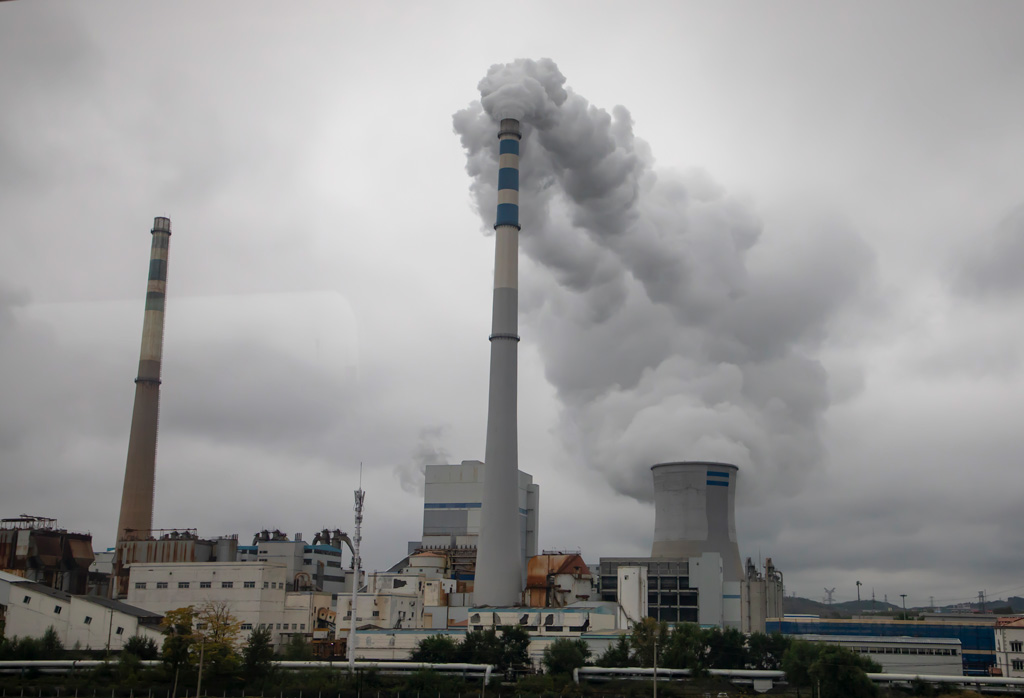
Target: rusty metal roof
[(541, 567)]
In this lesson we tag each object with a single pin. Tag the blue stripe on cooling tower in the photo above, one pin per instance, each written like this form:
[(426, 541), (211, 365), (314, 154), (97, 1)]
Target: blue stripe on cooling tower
[(508, 214), (715, 473), (508, 178), (718, 483), (451, 505), (508, 145)]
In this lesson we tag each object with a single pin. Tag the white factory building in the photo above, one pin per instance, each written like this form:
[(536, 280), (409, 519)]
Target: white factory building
[(28, 609), (1010, 646), (258, 594)]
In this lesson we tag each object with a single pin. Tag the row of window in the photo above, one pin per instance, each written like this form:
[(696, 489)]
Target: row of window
[(1016, 646), (208, 585), (905, 650), (270, 626), (1018, 664)]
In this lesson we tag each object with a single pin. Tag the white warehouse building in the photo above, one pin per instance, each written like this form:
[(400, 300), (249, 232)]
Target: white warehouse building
[(28, 609), (256, 593)]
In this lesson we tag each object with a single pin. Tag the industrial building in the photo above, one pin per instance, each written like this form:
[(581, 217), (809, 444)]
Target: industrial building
[(903, 655), (1009, 636), (28, 609), (318, 565), (976, 637), (35, 548), (257, 594), (452, 511), (693, 574)]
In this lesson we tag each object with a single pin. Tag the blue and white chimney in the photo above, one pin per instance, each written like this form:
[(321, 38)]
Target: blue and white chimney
[(499, 573)]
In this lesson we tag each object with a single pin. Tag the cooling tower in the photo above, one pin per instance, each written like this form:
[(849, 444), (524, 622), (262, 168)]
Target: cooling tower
[(499, 574), (136, 518), (694, 513)]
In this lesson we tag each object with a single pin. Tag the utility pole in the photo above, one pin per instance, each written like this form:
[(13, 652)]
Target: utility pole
[(656, 631), (931, 603), (904, 606), (981, 600), (858, 591), (356, 563), (829, 594)]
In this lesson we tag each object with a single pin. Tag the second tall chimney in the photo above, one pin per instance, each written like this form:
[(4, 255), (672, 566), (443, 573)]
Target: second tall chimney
[(136, 519)]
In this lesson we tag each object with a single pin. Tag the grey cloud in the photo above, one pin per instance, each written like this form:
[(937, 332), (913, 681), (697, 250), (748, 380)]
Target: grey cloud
[(991, 263), (671, 325), (429, 450)]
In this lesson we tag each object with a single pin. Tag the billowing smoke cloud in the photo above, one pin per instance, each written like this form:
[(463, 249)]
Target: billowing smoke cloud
[(429, 450), (671, 327)]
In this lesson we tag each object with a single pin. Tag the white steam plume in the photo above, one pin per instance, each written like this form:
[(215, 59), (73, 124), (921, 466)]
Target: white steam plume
[(669, 328)]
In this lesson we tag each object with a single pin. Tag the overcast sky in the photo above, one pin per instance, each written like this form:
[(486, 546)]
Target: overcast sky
[(800, 250)]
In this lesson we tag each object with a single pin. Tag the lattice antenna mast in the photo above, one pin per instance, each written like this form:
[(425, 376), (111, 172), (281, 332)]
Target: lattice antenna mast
[(356, 565), (829, 593)]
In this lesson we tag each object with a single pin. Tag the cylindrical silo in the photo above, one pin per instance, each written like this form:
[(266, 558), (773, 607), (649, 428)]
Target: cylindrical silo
[(499, 563), (136, 518), (695, 512)]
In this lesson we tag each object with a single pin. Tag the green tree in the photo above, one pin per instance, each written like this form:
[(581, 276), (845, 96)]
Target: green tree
[(436, 649), (565, 654), (218, 634), (515, 645), (842, 673), (617, 655), (726, 649), (258, 655), (647, 636), (766, 651), (298, 649), (481, 647), (142, 647), (51, 644), (179, 637), (687, 648)]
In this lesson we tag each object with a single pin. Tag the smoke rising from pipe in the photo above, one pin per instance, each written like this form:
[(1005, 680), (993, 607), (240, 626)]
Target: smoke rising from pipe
[(670, 325)]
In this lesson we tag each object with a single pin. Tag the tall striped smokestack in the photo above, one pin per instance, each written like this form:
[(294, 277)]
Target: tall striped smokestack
[(499, 572), (136, 518)]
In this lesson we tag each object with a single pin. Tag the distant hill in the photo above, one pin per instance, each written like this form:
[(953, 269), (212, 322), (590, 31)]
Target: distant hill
[(846, 609)]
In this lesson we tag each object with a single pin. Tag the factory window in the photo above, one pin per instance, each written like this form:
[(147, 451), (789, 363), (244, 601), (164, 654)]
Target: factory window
[(205, 585), (273, 585), (119, 631), (1018, 664), (27, 599), (140, 585), (302, 626), (56, 609), (227, 585), (333, 563), (307, 561), (249, 585), (294, 626), (278, 626), (246, 626), (161, 585), (1016, 646), (183, 585), (266, 585), (376, 614), (88, 620)]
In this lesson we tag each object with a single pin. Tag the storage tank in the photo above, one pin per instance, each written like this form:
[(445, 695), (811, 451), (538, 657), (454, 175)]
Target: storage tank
[(694, 512)]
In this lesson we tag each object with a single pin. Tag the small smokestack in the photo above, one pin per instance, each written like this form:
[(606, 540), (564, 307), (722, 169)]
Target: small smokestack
[(136, 518), (695, 513), (499, 557)]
